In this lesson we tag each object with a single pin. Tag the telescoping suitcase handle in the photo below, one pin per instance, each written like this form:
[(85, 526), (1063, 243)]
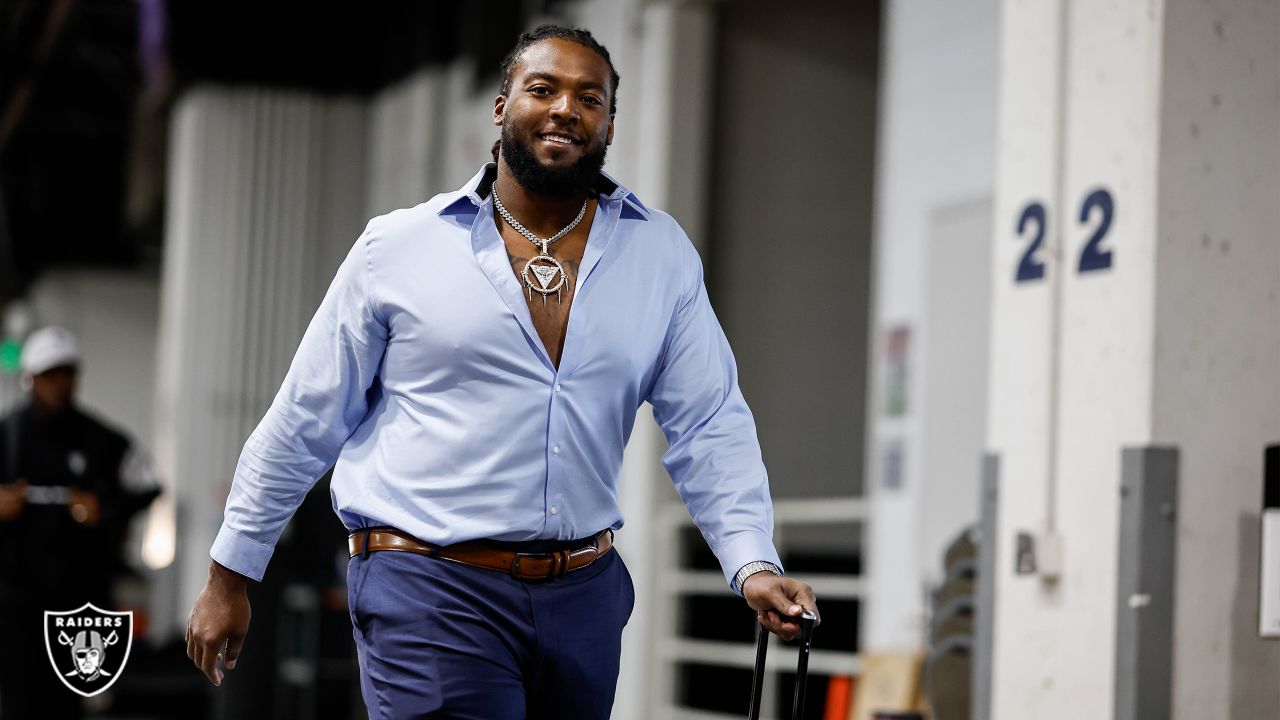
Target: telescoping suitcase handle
[(802, 666)]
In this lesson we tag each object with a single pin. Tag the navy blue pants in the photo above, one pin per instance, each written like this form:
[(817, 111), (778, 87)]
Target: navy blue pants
[(437, 639)]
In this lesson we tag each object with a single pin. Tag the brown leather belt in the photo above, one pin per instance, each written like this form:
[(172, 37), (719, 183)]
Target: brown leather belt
[(522, 566)]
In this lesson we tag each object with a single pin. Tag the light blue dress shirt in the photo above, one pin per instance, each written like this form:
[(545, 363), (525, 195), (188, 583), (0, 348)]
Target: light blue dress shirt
[(423, 377)]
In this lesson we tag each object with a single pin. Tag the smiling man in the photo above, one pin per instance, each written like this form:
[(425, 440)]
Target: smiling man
[(478, 425)]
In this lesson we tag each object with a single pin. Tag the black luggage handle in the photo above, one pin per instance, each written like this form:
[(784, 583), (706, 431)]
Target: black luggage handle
[(802, 666)]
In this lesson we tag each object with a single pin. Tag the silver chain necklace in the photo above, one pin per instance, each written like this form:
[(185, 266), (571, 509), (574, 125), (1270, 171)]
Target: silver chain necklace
[(546, 269)]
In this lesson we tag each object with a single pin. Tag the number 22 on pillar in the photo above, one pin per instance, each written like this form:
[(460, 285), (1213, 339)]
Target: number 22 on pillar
[(1033, 221)]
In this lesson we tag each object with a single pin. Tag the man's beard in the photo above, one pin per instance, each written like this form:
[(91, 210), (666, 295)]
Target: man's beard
[(572, 181)]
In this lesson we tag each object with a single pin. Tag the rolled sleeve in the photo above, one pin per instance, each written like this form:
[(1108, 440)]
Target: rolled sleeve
[(714, 455)]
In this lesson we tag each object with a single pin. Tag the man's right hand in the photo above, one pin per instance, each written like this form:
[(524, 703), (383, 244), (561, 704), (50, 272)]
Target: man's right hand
[(12, 498), (220, 619)]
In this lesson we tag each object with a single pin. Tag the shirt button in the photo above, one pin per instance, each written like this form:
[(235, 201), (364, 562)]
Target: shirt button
[(556, 449), (557, 387), (554, 510)]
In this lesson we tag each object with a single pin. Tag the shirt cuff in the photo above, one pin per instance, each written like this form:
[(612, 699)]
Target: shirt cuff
[(744, 548), (239, 553)]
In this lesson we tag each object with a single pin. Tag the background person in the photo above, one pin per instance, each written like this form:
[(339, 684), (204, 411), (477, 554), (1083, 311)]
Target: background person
[(69, 485)]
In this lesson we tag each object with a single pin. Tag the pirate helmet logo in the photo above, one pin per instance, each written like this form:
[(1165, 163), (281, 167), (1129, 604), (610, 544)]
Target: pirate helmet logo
[(88, 647)]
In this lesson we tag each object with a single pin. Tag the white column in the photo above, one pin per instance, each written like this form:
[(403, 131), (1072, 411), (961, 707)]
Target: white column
[(266, 195), (1147, 133), (1071, 346)]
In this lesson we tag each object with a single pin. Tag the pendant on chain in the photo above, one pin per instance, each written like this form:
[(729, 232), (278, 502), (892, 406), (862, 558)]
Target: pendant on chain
[(548, 271), (544, 275)]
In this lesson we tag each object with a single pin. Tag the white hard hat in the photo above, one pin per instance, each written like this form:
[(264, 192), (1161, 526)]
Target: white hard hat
[(48, 348)]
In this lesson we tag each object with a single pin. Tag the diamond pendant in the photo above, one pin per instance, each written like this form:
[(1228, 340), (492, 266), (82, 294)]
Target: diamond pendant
[(544, 275)]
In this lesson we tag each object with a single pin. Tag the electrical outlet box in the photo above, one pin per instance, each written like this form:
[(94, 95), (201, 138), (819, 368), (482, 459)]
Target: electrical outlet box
[(1024, 554)]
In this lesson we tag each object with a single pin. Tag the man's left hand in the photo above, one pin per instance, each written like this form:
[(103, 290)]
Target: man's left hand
[(778, 602)]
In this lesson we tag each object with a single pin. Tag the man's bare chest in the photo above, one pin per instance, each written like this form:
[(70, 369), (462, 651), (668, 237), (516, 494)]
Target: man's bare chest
[(549, 297)]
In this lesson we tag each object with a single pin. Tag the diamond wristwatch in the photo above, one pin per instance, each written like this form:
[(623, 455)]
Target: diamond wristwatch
[(750, 569)]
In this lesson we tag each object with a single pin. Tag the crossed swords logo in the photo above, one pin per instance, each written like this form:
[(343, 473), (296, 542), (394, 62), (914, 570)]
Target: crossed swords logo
[(98, 642)]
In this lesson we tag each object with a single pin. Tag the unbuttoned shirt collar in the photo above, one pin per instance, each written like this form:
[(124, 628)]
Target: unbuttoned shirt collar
[(475, 194)]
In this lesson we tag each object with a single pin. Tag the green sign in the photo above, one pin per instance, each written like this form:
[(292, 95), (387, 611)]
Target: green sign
[(10, 352)]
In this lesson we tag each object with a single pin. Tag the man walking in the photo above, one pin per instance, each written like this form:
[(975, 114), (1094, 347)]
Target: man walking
[(478, 424)]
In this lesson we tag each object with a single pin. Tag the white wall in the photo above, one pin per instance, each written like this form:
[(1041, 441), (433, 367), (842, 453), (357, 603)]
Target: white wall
[(115, 316), (936, 150), (953, 376)]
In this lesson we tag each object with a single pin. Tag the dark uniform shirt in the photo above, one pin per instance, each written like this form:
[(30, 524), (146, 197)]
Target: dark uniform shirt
[(48, 561), (45, 555)]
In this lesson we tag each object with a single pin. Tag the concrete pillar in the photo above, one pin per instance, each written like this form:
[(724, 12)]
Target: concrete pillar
[(1216, 378), (1120, 321)]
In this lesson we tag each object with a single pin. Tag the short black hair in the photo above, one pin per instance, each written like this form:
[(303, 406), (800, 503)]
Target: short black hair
[(559, 32)]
